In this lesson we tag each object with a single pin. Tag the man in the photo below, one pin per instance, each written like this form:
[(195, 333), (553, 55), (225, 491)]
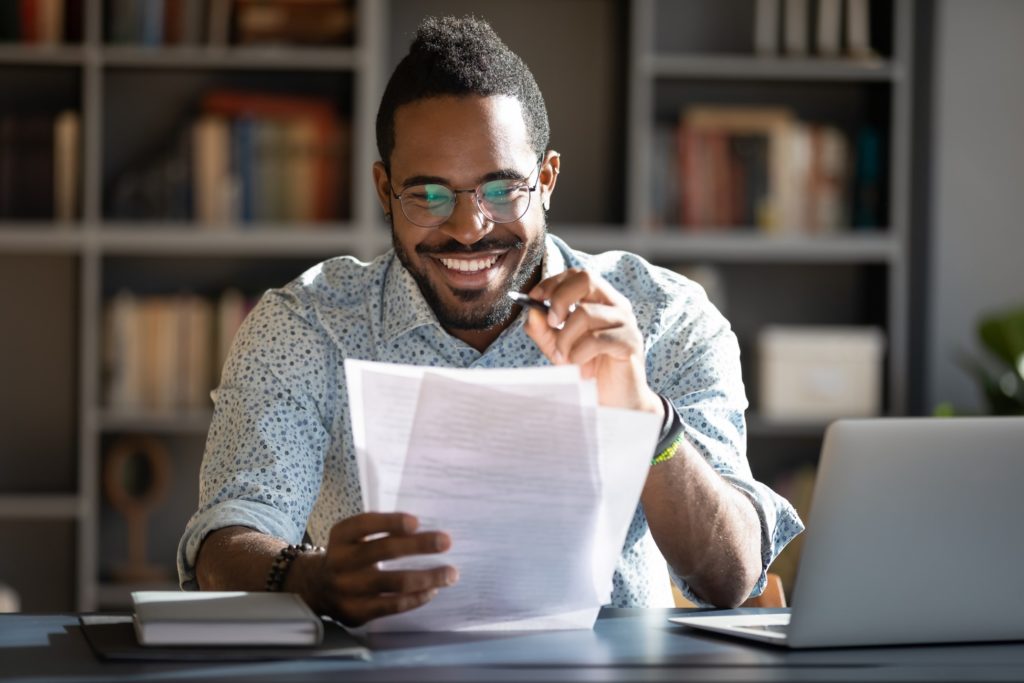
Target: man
[(465, 178)]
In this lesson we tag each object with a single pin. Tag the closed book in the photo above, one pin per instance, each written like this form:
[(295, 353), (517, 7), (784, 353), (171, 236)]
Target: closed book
[(308, 22), (767, 15), (67, 132), (858, 29), (33, 181), (210, 618), (827, 24), (796, 27), (51, 21), (211, 160)]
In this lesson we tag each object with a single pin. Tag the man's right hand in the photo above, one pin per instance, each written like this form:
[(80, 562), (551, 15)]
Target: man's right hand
[(347, 582)]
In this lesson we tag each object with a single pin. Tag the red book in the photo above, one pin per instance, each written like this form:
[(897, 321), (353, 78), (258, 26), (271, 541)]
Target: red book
[(28, 15)]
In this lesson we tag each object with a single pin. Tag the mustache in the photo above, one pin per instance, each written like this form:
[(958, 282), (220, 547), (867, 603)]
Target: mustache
[(456, 247)]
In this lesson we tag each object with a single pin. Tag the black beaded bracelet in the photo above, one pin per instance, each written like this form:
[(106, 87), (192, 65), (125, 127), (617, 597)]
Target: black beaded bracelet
[(283, 562)]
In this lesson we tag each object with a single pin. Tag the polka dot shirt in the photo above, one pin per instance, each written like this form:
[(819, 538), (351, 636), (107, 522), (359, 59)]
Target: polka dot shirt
[(279, 455)]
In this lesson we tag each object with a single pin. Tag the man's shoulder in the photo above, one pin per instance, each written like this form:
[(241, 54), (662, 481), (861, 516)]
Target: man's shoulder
[(630, 274), (332, 295), (340, 281)]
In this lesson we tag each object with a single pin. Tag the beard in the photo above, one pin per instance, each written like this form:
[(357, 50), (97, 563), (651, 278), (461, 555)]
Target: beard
[(476, 313)]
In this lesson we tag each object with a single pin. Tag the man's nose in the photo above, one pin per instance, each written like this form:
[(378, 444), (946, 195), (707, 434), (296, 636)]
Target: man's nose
[(467, 224)]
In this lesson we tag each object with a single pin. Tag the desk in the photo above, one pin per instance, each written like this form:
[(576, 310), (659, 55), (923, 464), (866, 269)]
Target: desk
[(635, 645)]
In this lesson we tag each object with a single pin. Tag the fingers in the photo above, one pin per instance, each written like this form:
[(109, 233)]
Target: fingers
[(356, 589), (390, 548), (372, 537), (358, 527), (359, 610), (588, 319), (372, 581), (571, 287), (597, 329)]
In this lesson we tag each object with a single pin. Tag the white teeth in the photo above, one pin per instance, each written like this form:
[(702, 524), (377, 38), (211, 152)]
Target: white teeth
[(469, 265)]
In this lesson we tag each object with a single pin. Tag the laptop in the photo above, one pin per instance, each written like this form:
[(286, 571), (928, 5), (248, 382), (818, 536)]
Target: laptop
[(915, 535)]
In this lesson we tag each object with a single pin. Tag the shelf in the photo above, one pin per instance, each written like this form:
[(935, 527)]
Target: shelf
[(752, 68), (188, 239), (39, 237), (39, 506), (219, 58), (746, 246), (190, 423), (28, 54)]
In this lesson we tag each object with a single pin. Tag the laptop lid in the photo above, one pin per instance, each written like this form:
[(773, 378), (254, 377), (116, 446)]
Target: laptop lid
[(915, 534)]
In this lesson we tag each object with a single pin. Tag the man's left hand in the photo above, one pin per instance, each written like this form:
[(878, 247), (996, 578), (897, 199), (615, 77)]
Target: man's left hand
[(592, 325)]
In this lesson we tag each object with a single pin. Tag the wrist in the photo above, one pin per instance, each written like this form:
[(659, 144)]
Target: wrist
[(306, 578), (671, 437)]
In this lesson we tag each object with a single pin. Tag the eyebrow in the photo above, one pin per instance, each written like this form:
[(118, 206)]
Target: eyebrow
[(500, 174)]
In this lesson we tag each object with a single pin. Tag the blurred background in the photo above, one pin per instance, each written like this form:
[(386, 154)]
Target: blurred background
[(842, 176)]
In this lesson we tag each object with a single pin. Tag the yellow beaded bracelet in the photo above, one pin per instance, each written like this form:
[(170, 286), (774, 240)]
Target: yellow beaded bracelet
[(669, 451)]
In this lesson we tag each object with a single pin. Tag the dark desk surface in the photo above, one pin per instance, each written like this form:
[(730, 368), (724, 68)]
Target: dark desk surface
[(635, 645)]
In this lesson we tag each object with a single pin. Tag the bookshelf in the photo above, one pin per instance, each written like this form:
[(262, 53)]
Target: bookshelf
[(611, 83)]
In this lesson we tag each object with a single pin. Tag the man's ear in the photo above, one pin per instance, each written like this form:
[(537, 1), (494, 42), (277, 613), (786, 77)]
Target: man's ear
[(382, 184), (549, 171)]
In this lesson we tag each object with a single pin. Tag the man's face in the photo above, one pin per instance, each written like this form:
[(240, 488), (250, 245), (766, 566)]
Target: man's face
[(465, 266)]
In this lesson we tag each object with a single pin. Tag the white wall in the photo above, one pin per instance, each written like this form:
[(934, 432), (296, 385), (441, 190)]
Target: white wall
[(977, 231)]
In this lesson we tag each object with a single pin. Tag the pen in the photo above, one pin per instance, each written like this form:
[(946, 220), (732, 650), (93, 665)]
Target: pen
[(524, 300)]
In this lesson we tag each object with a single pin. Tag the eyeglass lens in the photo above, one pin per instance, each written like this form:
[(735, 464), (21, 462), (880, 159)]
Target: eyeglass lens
[(502, 201)]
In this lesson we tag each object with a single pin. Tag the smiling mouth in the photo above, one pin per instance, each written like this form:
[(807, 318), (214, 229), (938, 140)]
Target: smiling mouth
[(469, 265)]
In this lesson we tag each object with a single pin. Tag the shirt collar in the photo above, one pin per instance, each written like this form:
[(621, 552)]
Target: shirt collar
[(405, 308)]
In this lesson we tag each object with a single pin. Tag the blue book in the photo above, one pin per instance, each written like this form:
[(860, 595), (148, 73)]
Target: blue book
[(243, 166), (152, 25)]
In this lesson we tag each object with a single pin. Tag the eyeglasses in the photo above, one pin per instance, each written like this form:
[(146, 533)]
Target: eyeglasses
[(501, 201)]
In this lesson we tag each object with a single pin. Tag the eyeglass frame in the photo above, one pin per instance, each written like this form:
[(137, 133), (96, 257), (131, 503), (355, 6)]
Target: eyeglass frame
[(476, 197)]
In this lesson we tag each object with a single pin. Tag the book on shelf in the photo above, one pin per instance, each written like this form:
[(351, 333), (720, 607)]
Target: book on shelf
[(211, 618), (762, 167), (212, 185), (825, 28), (248, 158), (43, 22), (869, 182), (767, 15), (300, 148), (796, 27), (164, 353), (827, 25), (302, 22), (66, 164), (220, 23), (858, 29), (40, 166)]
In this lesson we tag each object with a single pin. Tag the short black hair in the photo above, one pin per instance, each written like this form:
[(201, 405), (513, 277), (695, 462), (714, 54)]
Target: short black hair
[(460, 56)]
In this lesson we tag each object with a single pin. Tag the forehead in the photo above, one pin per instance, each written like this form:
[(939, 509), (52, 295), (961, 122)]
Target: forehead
[(461, 138)]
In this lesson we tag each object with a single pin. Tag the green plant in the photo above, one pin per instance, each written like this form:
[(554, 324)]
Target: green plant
[(1001, 374)]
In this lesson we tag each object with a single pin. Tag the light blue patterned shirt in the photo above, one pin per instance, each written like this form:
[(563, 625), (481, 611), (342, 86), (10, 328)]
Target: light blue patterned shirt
[(279, 455)]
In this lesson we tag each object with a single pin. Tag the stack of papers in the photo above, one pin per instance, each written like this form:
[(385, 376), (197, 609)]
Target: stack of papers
[(535, 483)]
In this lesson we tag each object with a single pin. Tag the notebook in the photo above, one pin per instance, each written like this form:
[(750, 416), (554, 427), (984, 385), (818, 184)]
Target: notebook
[(913, 537), (211, 618)]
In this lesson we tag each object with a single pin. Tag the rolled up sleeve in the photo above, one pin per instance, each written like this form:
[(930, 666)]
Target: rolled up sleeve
[(263, 462), (696, 364)]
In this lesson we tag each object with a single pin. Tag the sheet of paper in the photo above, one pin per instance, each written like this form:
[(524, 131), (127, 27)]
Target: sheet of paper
[(535, 483), (514, 494), (382, 404)]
